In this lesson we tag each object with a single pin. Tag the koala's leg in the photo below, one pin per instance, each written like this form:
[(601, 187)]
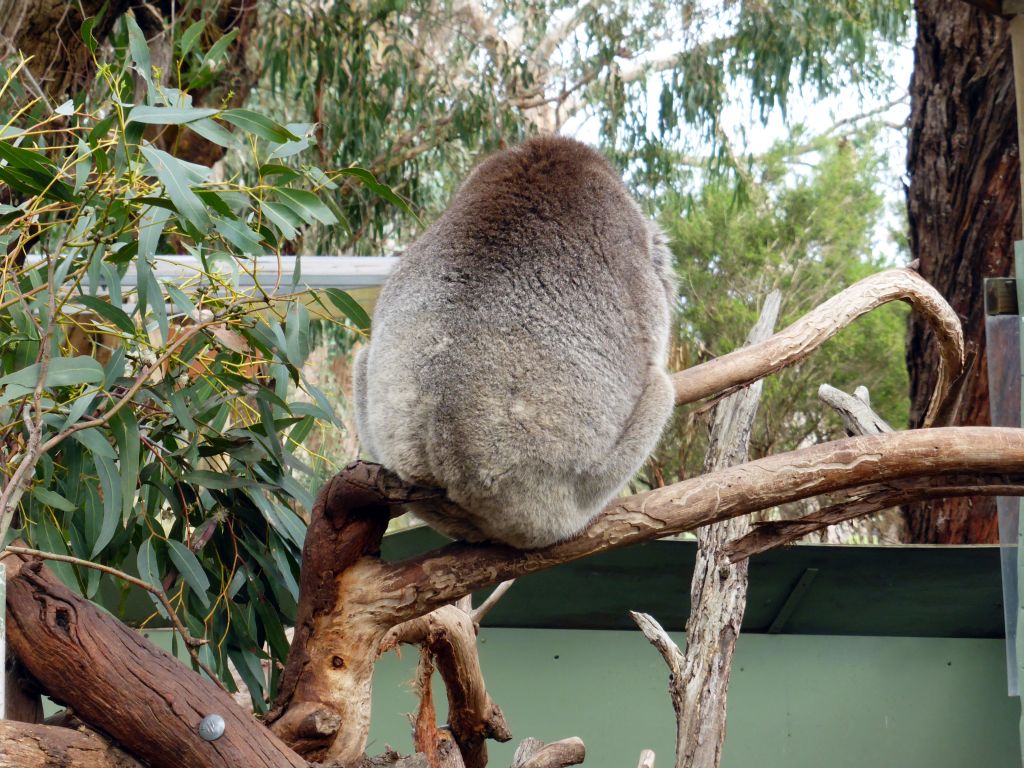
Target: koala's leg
[(635, 444)]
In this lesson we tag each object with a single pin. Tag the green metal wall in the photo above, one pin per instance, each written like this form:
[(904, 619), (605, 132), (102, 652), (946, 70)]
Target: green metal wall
[(796, 701)]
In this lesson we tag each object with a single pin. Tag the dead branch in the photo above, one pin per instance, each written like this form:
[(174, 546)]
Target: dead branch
[(484, 608), (646, 759), (448, 635), (772, 534), (729, 372), (437, 745), (855, 410), (718, 589), (120, 683), (30, 745), (533, 753), (669, 651)]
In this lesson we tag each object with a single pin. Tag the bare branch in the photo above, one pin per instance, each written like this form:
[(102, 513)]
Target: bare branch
[(729, 372), (448, 634), (536, 754), (855, 410), (484, 608), (870, 499), (646, 759)]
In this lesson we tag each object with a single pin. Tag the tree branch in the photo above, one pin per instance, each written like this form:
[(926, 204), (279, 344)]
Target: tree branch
[(729, 372), (414, 587), (870, 499), (449, 635)]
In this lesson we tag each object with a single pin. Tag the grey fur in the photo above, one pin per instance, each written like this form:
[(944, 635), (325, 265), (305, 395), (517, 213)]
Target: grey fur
[(518, 350)]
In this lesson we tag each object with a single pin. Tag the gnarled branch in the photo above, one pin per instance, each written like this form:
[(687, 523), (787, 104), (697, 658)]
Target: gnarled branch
[(729, 372)]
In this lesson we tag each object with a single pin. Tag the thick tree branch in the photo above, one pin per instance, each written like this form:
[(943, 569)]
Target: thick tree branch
[(401, 591), (729, 372), (123, 685)]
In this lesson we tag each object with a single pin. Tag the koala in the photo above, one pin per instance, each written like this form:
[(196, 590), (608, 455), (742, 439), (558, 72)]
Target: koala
[(518, 352)]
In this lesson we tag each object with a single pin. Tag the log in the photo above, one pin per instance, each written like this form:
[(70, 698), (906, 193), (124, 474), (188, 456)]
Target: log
[(125, 686), (30, 745)]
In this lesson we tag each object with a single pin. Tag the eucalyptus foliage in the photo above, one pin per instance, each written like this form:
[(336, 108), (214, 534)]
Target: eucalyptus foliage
[(151, 424), (417, 88)]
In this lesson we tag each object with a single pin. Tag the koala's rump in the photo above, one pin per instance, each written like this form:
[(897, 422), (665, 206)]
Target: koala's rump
[(481, 387)]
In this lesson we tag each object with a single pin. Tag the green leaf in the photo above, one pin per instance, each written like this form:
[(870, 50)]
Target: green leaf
[(381, 190), (297, 334), (61, 372), (111, 502), (190, 569), (282, 217), (78, 408), (308, 206), (260, 125), (94, 440), (168, 115), (139, 49), (240, 236), (108, 311), (276, 169), (175, 176), (219, 48), (146, 562), (53, 499), (349, 307), (213, 131), (18, 157), (125, 427), (181, 301), (190, 36)]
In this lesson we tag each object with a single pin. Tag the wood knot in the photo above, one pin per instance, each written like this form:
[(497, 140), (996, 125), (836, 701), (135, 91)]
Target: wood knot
[(337, 662)]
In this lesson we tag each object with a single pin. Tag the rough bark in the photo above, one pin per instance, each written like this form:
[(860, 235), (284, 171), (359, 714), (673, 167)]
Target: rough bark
[(533, 753), (718, 590), (50, 32), (25, 745), (330, 662), (123, 685), (963, 203)]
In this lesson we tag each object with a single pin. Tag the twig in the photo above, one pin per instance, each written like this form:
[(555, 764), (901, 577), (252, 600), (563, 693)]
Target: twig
[(484, 608), (191, 643), (854, 409)]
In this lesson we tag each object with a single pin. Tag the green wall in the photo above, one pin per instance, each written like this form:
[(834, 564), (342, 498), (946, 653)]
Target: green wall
[(799, 701)]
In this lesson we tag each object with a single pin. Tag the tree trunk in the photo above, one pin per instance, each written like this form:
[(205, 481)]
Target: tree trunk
[(963, 205)]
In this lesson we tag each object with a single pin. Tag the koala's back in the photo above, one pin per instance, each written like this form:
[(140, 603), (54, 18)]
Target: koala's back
[(512, 346)]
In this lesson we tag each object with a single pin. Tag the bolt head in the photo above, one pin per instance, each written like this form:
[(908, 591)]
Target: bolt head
[(211, 727)]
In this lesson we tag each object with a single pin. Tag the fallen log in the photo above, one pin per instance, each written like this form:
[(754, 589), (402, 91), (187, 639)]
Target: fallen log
[(31, 745), (122, 684)]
